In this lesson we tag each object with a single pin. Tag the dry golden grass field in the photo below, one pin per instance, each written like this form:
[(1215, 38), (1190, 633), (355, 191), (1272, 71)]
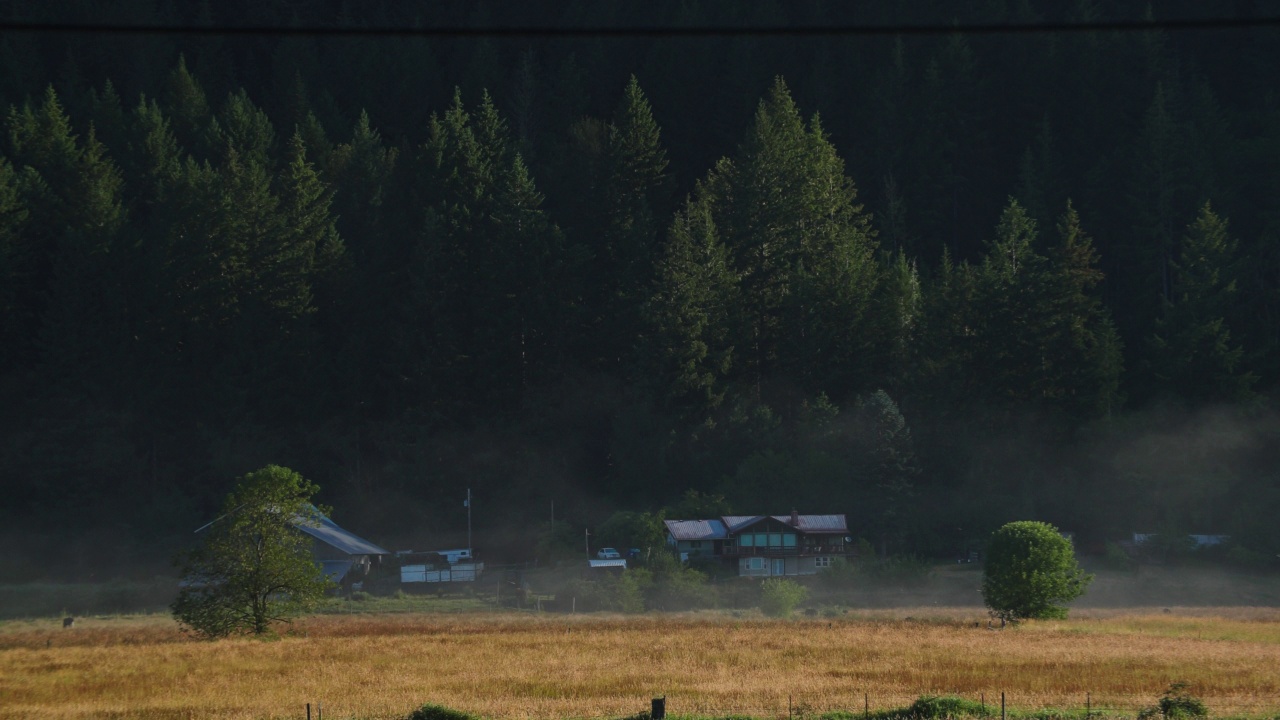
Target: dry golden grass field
[(514, 665)]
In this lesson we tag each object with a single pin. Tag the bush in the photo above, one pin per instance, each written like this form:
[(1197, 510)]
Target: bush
[(1176, 704), (712, 568), (1167, 546), (898, 569), (625, 593), (359, 596), (863, 550), (839, 575), (929, 707), (438, 712), (1115, 558), (680, 589), (779, 596), (1243, 557), (614, 593)]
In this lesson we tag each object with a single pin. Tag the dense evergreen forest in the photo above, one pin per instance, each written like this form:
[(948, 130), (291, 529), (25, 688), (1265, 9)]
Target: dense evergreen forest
[(936, 282)]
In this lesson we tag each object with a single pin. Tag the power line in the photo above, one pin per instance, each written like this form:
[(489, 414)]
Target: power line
[(695, 31)]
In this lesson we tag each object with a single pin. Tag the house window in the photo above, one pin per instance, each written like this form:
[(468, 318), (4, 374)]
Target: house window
[(695, 544), (788, 540), (822, 562), (775, 539), (746, 540), (757, 563)]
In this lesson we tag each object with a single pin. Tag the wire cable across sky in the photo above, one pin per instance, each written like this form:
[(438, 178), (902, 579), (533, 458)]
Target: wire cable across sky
[(693, 31)]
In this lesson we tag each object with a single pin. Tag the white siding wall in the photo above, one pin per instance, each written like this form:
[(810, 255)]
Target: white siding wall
[(764, 566)]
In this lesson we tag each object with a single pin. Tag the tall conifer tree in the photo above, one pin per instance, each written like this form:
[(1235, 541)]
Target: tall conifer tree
[(245, 127), (16, 273), (623, 205), (500, 261), (1192, 354), (309, 224), (188, 105), (1083, 339), (803, 248), (86, 321), (74, 193), (689, 350)]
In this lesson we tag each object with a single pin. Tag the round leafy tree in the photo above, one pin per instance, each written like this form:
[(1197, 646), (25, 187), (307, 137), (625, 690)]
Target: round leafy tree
[(1030, 571), (253, 566)]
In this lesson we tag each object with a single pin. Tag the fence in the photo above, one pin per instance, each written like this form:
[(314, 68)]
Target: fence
[(991, 705)]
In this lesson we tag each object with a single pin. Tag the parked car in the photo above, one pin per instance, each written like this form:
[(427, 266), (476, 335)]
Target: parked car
[(608, 554)]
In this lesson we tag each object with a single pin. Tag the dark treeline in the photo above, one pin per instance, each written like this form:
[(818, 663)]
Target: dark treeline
[(934, 282)]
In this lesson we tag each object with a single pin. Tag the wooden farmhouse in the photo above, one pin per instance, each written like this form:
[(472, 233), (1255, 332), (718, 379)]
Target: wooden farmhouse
[(763, 545)]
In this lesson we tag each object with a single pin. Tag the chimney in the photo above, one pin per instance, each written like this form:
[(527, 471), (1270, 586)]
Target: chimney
[(795, 518)]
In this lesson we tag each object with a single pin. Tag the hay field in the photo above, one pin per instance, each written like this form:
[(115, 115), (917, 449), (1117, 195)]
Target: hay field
[(510, 665)]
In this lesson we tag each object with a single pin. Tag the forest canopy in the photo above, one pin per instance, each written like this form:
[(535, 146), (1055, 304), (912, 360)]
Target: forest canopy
[(934, 282)]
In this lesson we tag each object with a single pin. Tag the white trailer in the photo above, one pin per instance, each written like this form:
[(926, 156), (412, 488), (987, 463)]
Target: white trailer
[(458, 572)]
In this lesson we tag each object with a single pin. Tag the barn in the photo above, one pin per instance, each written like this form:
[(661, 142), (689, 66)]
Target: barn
[(345, 556)]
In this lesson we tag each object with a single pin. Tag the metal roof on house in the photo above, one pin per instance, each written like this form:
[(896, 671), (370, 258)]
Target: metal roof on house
[(817, 523), (328, 532), (696, 529), (737, 522), (719, 529)]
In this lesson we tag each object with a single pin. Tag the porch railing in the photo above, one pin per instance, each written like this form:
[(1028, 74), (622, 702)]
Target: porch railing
[(775, 551)]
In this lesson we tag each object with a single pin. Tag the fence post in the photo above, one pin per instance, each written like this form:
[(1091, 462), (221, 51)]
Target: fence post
[(788, 707), (308, 711), (866, 705), (983, 698), (658, 710), (1088, 705), (1002, 717)]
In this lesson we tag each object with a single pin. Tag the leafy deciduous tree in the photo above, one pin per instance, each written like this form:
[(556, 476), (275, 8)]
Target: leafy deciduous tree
[(1030, 571), (253, 567)]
